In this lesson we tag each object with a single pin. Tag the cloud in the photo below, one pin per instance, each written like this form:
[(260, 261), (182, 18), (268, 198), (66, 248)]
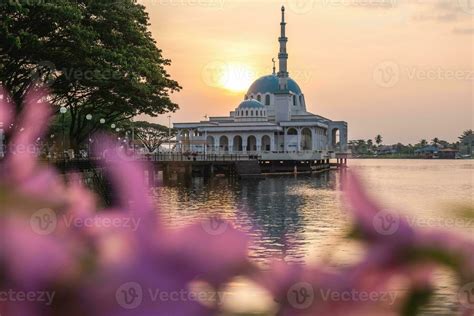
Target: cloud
[(443, 11), (463, 31), (447, 17)]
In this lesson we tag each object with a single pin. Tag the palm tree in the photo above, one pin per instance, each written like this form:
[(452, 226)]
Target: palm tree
[(370, 144), (465, 134), (423, 143), (378, 140), (435, 141)]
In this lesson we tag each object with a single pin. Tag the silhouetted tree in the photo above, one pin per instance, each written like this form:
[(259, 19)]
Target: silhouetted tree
[(97, 57), (378, 140)]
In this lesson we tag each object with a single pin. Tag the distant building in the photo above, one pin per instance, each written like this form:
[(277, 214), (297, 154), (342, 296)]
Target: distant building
[(387, 150), (427, 151), (447, 153), (271, 121), (466, 146)]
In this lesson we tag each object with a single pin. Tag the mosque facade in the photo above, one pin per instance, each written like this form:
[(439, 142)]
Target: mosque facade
[(272, 121)]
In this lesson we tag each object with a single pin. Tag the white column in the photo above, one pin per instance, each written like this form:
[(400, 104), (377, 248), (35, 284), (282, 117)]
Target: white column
[(298, 130), (314, 138), (231, 143)]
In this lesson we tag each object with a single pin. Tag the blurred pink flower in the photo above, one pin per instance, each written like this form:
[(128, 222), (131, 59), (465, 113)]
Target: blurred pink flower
[(121, 263)]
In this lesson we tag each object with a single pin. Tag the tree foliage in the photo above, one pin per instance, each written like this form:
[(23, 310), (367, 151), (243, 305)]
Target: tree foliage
[(378, 140), (152, 135), (97, 57), (465, 134)]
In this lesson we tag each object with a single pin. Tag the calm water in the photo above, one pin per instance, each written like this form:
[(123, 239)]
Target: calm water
[(302, 218)]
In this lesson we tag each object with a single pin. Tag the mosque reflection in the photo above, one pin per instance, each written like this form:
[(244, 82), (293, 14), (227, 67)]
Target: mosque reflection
[(286, 216)]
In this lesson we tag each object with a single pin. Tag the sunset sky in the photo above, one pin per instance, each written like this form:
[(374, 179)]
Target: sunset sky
[(399, 68)]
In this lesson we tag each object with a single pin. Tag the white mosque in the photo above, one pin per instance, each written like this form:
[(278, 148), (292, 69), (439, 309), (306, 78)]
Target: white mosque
[(272, 122)]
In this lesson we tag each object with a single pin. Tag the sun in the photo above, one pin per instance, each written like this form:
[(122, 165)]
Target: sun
[(236, 77)]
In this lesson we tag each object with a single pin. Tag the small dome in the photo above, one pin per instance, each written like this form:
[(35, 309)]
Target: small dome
[(270, 84), (251, 104)]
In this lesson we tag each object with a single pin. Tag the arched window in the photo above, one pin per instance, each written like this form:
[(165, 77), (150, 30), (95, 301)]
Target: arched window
[(259, 98), (251, 112), (294, 100), (246, 112), (267, 99)]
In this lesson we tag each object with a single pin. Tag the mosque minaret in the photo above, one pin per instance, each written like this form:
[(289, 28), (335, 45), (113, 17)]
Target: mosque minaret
[(271, 122)]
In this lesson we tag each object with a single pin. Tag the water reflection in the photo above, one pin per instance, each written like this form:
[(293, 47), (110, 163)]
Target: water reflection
[(301, 218), (288, 216)]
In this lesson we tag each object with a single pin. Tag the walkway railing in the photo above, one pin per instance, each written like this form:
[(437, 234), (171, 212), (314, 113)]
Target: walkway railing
[(198, 157)]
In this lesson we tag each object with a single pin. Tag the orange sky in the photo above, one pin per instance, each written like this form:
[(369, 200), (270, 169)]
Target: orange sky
[(400, 68)]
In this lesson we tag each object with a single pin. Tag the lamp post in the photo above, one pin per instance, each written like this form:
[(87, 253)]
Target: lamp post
[(169, 133), (133, 136), (63, 111), (89, 118)]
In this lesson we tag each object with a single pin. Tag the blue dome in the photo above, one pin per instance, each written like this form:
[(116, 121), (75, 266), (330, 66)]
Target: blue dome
[(254, 104), (269, 84)]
